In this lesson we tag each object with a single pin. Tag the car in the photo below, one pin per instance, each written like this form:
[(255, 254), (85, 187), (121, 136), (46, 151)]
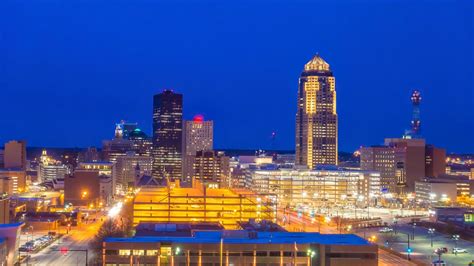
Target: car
[(441, 250), (438, 263), (386, 230), (459, 250)]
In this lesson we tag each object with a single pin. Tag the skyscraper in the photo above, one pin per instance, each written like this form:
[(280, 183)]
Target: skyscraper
[(316, 118), (167, 135), (197, 136)]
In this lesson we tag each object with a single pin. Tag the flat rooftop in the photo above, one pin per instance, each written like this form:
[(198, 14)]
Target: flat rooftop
[(242, 237)]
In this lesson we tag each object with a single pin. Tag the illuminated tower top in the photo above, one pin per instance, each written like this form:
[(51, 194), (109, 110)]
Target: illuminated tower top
[(316, 64), (414, 131)]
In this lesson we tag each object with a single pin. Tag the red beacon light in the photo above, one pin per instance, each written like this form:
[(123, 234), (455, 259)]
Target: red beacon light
[(198, 119)]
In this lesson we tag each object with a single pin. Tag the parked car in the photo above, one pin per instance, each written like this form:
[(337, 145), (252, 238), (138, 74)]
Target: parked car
[(438, 263), (441, 250), (459, 250), (386, 230)]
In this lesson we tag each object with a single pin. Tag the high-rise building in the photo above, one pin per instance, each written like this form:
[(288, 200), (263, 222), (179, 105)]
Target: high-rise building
[(127, 169), (167, 135), (141, 143), (414, 163), (388, 161), (197, 136), (212, 168), (112, 149), (15, 154), (316, 117), (400, 162)]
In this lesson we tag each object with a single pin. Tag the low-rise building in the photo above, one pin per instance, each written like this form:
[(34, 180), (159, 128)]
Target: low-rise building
[(332, 185), (200, 204), (239, 247), (433, 192), (18, 179)]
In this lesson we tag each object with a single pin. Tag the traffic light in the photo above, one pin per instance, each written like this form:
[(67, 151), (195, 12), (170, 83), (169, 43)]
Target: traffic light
[(64, 250), (409, 250)]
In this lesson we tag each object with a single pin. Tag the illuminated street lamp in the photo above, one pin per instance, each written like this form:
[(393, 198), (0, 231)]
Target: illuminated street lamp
[(455, 238), (310, 253), (84, 194), (431, 232)]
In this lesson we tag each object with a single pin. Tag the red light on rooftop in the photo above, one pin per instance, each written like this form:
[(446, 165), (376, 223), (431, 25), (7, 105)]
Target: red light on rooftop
[(198, 118)]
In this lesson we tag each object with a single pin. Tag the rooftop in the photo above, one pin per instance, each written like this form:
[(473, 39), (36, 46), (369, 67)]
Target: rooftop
[(243, 237)]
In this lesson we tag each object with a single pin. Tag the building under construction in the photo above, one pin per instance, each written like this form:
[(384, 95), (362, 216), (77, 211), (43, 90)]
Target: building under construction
[(200, 204)]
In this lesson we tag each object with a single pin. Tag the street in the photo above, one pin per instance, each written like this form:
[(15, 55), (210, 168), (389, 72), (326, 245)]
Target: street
[(421, 245), (306, 224), (77, 239)]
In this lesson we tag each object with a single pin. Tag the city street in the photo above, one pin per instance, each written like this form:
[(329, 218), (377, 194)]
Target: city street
[(305, 224), (421, 246), (77, 239)]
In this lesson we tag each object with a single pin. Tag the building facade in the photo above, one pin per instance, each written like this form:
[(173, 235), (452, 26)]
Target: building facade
[(199, 204), (49, 168), (402, 162), (15, 154), (433, 192), (17, 177), (104, 169), (240, 247), (167, 135), (141, 143), (212, 168), (388, 161), (316, 117), (435, 161), (197, 136), (312, 187), (82, 188), (126, 167)]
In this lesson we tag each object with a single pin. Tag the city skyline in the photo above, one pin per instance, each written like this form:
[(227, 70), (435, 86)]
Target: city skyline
[(369, 89)]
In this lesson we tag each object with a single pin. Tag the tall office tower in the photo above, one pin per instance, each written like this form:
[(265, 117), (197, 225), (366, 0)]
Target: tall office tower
[(141, 143), (197, 136), (316, 118), (167, 135), (15, 154)]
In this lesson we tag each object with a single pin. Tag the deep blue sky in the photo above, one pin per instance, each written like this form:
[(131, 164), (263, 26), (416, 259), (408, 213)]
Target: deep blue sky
[(70, 69)]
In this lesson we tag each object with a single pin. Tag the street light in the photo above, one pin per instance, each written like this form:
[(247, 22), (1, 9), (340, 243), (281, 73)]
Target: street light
[(455, 238), (409, 250), (431, 232), (413, 235), (310, 253)]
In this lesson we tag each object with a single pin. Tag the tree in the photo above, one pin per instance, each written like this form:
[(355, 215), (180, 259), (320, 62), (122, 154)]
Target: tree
[(108, 229)]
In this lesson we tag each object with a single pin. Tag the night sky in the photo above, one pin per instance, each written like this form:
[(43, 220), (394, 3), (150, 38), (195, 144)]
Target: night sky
[(69, 70)]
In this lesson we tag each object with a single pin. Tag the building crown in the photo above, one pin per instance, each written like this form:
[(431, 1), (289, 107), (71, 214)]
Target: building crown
[(316, 63)]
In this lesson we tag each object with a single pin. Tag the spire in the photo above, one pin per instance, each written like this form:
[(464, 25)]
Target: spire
[(316, 63)]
